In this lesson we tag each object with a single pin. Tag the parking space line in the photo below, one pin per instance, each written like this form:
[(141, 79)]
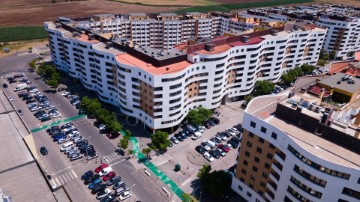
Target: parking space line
[(52, 182), (71, 176), (107, 160), (61, 180), (57, 181), (64, 177), (73, 172)]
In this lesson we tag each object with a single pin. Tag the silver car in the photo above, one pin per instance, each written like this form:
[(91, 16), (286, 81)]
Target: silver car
[(62, 140)]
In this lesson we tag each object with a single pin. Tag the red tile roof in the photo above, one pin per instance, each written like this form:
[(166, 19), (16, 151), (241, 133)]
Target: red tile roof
[(251, 41), (317, 91)]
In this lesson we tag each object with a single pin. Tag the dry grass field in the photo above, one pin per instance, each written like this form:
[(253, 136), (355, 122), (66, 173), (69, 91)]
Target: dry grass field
[(35, 12), (189, 2)]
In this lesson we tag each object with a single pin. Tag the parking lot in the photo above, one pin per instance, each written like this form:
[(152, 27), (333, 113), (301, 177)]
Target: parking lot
[(64, 169), (190, 160)]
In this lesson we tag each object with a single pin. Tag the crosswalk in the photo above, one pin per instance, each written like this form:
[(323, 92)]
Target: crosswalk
[(112, 157), (63, 179)]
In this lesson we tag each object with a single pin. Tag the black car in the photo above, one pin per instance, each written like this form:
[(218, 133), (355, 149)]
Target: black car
[(66, 125), (108, 198), (233, 143), (91, 178), (87, 174), (28, 98), (82, 142), (43, 151), (5, 85), (120, 152), (200, 149), (215, 140), (119, 184), (215, 154), (52, 128), (184, 135), (46, 118), (98, 188), (179, 137), (12, 81), (215, 120)]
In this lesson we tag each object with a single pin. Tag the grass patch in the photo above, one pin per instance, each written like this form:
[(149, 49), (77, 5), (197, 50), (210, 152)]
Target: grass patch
[(20, 33), (229, 7)]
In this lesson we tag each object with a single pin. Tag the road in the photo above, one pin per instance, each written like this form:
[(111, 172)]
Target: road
[(57, 164)]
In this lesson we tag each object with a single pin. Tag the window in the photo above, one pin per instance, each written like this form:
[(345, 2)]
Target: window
[(259, 150), (252, 124), (262, 184), (269, 156), (263, 129), (252, 177), (243, 171), (261, 140), (249, 194), (351, 193), (272, 146), (257, 159), (251, 134), (245, 162), (274, 135), (249, 144), (264, 175), (247, 153), (267, 165), (240, 188), (255, 168), (305, 188)]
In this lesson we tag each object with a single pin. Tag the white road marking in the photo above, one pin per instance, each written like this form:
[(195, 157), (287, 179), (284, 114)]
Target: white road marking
[(186, 181), (117, 162), (61, 180), (57, 181), (162, 163), (107, 160), (73, 172), (61, 170)]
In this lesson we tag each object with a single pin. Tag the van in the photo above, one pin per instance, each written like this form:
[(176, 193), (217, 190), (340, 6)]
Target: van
[(64, 146), (20, 87), (105, 171)]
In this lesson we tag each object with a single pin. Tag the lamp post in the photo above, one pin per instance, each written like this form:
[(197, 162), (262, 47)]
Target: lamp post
[(200, 196)]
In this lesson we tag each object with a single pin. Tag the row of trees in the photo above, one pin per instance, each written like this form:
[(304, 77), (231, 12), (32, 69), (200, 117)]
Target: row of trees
[(50, 73), (199, 115), (93, 108), (291, 75)]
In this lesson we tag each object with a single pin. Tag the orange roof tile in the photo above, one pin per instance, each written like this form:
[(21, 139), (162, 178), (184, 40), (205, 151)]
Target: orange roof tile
[(338, 67), (85, 38), (357, 56), (130, 60), (217, 49)]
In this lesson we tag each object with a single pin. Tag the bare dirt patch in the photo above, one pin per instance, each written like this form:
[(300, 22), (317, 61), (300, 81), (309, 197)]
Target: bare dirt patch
[(20, 12), (20, 46)]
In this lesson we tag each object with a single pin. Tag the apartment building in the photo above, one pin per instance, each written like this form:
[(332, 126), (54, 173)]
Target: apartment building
[(301, 146), (158, 87), (342, 23)]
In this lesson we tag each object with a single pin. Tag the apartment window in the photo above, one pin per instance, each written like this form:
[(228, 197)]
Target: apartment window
[(259, 150), (267, 165), (243, 171), (249, 144), (358, 181), (263, 129), (252, 177), (274, 135), (272, 146), (249, 194), (309, 177), (305, 188), (257, 159), (251, 134), (296, 194), (252, 124), (269, 156), (247, 153), (264, 175), (240, 188), (245, 162), (351, 193), (262, 184), (242, 179), (255, 168), (261, 140)]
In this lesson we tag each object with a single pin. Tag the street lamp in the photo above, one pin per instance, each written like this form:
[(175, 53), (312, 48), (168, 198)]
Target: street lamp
[(200, 196)]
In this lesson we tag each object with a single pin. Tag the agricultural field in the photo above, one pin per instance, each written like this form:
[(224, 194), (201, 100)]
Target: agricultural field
[(21, 33), (187, 3)]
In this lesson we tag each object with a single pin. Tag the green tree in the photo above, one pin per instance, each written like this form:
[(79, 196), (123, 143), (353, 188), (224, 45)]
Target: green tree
[(160, 140), (146, 151), (188, 198), (263, 87), (332, 55), (216, 183), (124, 143), (307, 69), (321, 62), (205, 170), (199, 115), (249, 97), (128, 132), (322, 53), (32, 64)]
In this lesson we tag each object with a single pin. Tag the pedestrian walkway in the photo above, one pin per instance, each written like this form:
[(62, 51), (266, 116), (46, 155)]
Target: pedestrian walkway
[(57, 123), (112, 157), (158, 173), (62, 179)]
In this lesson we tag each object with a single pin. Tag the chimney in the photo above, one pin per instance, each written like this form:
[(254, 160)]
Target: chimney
[(322, 92)]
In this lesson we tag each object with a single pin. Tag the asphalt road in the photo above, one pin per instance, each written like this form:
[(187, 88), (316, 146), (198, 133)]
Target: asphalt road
[(56, 163)]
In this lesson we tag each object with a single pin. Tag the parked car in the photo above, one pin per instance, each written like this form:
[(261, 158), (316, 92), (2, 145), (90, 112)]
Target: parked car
[(87, 174), (108, 198), (120, 152), (222, 153), (118, 184), (43, 151), (215, 154), (98, 188), (5, 85), (92, 178), (109, 175), (208, 157), (179, 137), (20, 112), (206, 146), (101, 167), (102, 194), (121, 190), (94, 183), (174, 140), (125, 195), (200, 149), (75, 157), (62, 140), (215, 120), (223, 147), (113, 180)]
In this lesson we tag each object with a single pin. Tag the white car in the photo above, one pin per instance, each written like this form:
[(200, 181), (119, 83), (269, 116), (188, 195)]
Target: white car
[(102, 127), (62, 140), (125, 195), (222, 153), (232, 133), (206, 146), (10, 99), (65, 93), (35, 108), (55, 115), (69, 128), (174, 140), (208, 157), (102, 194), (35, 90)]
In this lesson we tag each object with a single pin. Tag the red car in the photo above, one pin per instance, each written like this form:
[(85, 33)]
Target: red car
[(109, 175), (224, 148), (101, 167)]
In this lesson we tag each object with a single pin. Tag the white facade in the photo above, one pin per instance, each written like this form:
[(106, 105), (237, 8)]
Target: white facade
[(117, 83), (312, 188)]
